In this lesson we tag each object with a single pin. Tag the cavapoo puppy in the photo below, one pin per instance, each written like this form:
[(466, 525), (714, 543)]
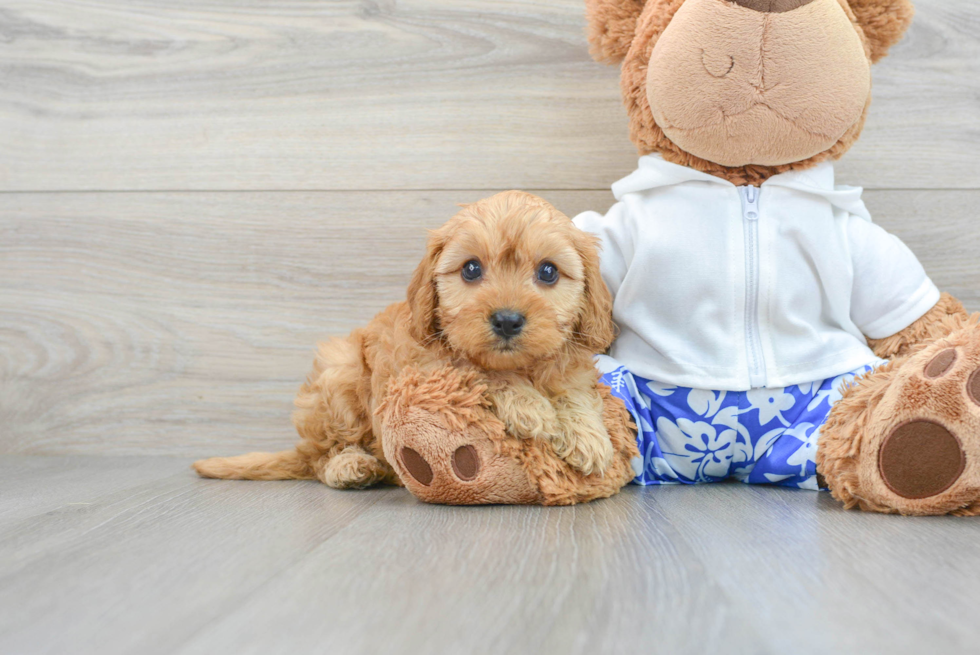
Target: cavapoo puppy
[(509, 292)]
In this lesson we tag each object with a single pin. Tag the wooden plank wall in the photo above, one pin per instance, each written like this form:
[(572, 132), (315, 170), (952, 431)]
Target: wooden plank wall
[(193, 193)]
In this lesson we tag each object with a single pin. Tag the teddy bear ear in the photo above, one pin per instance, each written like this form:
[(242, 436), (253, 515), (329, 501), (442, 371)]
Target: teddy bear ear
[(612, 26), (884, 22)]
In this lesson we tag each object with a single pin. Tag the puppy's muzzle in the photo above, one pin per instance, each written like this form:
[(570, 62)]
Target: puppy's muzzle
[(507, 324)]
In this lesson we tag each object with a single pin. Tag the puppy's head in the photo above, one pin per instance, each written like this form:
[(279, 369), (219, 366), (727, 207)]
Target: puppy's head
[(510, 281)]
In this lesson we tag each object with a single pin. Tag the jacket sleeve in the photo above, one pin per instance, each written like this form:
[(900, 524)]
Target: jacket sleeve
[(891, 289), (616, 239)]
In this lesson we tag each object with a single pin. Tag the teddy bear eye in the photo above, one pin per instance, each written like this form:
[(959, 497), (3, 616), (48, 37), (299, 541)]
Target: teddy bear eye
[(548, 273), (472, 271)]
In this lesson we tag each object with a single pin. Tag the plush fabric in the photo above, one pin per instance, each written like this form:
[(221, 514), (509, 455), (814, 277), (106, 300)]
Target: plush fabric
[(737, 87), (772, 6), (901, 394), (612, 24), (879, 24), (884, 22), (436, 414)]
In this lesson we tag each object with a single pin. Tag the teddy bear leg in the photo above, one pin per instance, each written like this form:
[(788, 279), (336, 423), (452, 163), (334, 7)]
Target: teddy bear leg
[(447, 447), (906, 438), (444, 443)]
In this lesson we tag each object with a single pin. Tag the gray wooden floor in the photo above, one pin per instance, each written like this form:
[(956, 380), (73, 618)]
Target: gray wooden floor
[(136, 555), (193, 192)]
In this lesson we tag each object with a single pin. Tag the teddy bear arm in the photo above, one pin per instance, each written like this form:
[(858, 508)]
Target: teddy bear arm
[(945, 317)]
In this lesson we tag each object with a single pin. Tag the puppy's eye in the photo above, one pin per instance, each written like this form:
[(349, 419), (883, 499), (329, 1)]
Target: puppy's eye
[(472, 271), (548, 273)]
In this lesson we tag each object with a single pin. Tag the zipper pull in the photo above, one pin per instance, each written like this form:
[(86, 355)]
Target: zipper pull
[(751, 196)]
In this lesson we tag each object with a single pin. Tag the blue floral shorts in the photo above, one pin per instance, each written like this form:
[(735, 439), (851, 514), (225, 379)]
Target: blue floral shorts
[(760, 436)]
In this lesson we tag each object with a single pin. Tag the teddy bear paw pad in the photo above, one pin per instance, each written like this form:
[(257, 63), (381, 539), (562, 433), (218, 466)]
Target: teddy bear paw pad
[(924, 436), (920, 459)]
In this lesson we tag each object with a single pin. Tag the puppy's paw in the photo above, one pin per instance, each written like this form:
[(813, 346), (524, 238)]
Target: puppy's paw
[(525, 412), (351, 468), (588, 453)]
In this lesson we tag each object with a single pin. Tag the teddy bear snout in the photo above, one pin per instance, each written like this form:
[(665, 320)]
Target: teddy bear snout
[(738, 82), (772, 6)]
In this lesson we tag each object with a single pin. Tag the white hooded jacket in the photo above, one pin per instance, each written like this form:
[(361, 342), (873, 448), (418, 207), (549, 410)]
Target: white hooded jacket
[(730, 288)]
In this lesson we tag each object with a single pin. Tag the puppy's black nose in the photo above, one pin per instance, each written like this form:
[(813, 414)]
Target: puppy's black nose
[(507, 324)]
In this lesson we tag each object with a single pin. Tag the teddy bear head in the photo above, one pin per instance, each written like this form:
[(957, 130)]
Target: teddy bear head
[(746, 89)]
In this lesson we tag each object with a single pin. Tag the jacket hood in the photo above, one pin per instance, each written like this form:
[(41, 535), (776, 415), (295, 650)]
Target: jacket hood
[(654, 172)]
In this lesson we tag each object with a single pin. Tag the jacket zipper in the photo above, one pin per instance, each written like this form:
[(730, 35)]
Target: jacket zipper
[(753, 335)]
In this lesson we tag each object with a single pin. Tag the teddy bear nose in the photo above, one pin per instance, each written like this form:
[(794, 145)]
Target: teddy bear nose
[(507, 324), (772, 6)]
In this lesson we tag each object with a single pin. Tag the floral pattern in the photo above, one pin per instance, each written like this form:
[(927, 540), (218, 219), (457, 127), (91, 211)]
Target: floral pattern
[(759, 436)]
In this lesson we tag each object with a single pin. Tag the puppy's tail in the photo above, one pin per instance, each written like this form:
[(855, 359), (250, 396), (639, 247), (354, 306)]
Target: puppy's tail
[(284, 465)]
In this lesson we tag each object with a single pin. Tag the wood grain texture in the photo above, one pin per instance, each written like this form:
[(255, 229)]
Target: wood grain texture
[(183, 323), (392, 94), (182, 565), (861, 583), (609, 577), (40, 485), (139, 569)]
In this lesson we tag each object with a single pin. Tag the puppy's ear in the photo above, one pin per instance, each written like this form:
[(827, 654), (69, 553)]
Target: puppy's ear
[(612, 26), (595, 329), (423, 298), (884, 22)]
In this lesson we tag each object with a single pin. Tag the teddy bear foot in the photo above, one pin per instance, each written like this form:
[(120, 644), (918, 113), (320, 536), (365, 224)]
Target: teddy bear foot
[(447, 447), (906, 438), (439, 464), (437, 437)]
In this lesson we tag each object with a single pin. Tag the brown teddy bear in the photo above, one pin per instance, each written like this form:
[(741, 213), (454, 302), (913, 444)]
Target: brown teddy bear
[(770, 331)]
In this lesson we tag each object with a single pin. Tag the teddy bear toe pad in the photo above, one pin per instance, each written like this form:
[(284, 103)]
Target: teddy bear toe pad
[(416, 466), (454, 465), (465, 463)]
